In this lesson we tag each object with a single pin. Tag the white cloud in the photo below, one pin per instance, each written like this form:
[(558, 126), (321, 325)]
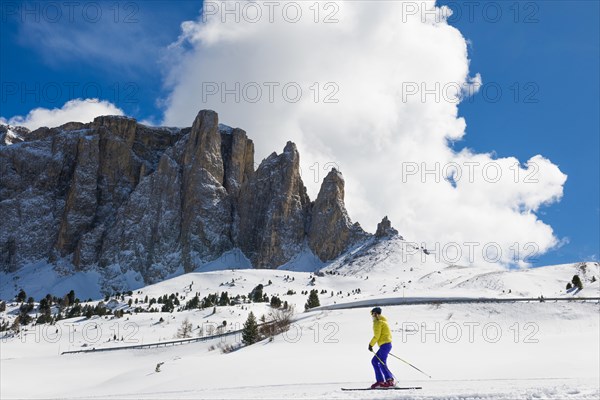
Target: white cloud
[(78, 110), (375, 55)]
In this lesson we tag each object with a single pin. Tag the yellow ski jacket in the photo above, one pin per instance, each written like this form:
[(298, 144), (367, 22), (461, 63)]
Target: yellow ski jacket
[(381, 332)]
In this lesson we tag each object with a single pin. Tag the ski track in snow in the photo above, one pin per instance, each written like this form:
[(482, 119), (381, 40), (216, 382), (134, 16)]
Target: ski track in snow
[(432, 390)]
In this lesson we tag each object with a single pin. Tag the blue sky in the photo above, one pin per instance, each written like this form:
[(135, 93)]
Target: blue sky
[(547, 52), (554, 47), (118, 57)]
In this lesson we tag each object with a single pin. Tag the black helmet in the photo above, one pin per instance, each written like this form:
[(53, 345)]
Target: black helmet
[(376, 310)]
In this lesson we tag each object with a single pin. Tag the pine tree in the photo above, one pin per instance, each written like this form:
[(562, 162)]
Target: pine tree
[(64, 302), (224, 299), (250, 331), (75, 311), (193, 303), (275, 302), (44, 306), (313, 300), (25, 308), (577, 282), (22, 296), (44, 318), (2, 306), (25, 319), (100, 309), (168, 306), (256, 295)]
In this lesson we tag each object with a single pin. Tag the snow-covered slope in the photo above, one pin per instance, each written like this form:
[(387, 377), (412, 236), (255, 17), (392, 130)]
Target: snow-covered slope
[(497, 351), (390, 267), (405, 267), (506, 350)]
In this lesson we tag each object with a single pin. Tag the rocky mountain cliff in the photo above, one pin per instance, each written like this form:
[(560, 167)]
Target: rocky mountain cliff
[(115, 196)]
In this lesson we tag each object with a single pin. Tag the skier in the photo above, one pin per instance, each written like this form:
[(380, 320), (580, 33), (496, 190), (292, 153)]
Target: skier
[(382, 337)]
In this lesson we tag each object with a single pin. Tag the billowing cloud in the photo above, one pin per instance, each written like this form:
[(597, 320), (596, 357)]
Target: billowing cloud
[(77, 110), (380, 86)]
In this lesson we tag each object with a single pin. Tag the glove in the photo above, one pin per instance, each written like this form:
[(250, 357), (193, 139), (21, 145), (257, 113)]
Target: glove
[(370, 348)]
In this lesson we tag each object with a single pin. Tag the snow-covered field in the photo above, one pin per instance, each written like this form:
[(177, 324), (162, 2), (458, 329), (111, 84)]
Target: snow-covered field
[(488, 351)]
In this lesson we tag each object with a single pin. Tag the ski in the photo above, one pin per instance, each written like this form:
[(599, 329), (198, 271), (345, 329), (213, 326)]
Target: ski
[(387, 388)]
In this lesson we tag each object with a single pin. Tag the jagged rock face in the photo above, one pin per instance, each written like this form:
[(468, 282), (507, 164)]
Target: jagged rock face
[(331, 231), (385, 229), (61, 188), (180, 214), (237, 152), (146, 233), (120, 197), (205, 204), (273, 210), (34, 183), (81, 201), (204, 146)]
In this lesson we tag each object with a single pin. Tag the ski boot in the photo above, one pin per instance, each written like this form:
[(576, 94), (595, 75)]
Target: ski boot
[(389, 383)]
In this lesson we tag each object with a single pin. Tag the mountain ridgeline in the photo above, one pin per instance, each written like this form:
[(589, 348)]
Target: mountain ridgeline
[(117, 196)]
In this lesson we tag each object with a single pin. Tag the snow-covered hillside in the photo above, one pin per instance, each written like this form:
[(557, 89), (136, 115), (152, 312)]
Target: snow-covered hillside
[(402, 266), (502, 350)]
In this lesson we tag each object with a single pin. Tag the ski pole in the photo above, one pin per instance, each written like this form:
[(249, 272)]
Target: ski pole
[(406, 362), (385, 365)]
